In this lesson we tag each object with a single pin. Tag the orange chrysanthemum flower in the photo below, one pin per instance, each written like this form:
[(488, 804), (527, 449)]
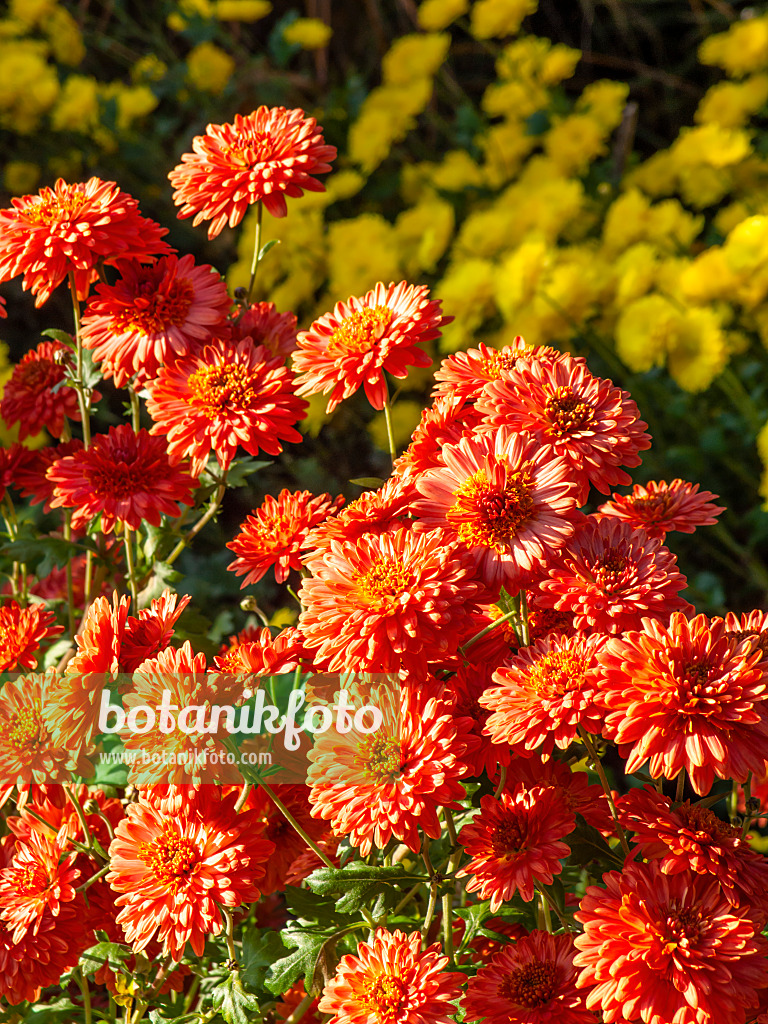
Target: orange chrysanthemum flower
[(592, 424), (692, 837), (22, 630), (387, 603), (152, 314), (275, 534), (463, 375), (264, 157), (224, 395), (574, 787), (392, 781), (687, 697), (175, 872), (610, 577), (658, 948), (660, 507), (544, 694), (123, 477), (503, 499), (391, 981), (277, 829), (754, 623), (256, 652), (532, 981), (265, 326), (34, 396), (363, 337), (39, 878), (73, 227), (516, 841), (29, 751)]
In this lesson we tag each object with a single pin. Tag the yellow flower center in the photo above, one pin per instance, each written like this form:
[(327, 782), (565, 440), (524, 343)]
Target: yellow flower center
[(386, 996), (530, 986), (610, 572), (171, 858), (25, 729), (485, 515), (153, 312), (217, 388), (360, 331), (558, 672), (567, 412), (385, 579), (379, 757), (50, 208)]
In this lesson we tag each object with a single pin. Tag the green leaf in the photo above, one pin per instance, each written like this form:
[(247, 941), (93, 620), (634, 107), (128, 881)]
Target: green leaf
[(313, 958), (241, 469), (265, 248), (587, 844), (358, 883), (368, 481), (234, 1004), (163, 576), (261, 949), (112, 953), (310, 906), (61, 336)]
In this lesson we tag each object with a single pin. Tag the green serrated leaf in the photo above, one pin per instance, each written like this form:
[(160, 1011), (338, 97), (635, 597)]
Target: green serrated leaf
[(313, 958), (234, 1004), (261, 949), (61, 336), (241, 469), (163, 575), (359, 884), (310, 906), (112, 953), (588, 844)]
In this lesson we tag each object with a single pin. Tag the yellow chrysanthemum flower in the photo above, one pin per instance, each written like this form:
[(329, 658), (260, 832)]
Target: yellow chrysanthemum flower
[(308, 33), (604, 101), (29, 85), (435, 15), (242, 10), (361, 252), (575, 142), (423, 233), (731, 104), (20, 177), (209, 68), (697, 351), (414, 57), (494, 19), (467, 289), (740, 51), (64, 36), (645, 330), (77, 108), (148, 68)]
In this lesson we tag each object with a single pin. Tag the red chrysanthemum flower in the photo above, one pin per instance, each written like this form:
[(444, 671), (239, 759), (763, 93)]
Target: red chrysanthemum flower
[(692, 837), (13, 461), (516, 841), (256, 652), (687, 697), (278, 830), (660, 507), (265, 326), (73, 227), (371, 786), (363, 337), (374, 512), (532, 981), (123, 477), (391, 981), (224, 395), (592, 424), (31, 478), (42, 959), (264, 157), (543, 695), (610, 577), (503, 499), (151, 315), (446, 422), (175, 872), (658, 948), (580, 796), (22, 630), (386, 603), (34, 396), (151, 632), (275, 534), (463, 375), (754, 623)]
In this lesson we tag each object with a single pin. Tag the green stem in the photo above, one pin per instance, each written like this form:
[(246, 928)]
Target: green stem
[(292, 821), (230, 933), (390, 435), (82, 401), (135, 410), (526, 636), (243, 796), (82, 984), (300, 1010), (70, 583), (94, 846), (494, 625), (597, 764), (256, 254), (206, 518), (680, 786), (747, 799), (129, 561)]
